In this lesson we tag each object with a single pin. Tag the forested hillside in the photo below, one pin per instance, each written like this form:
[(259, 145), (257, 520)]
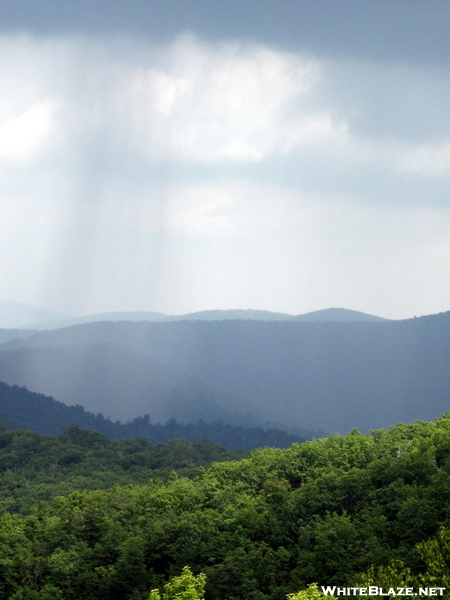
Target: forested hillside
[(326, 511), (36, 467), (328, 375), (20, 408)]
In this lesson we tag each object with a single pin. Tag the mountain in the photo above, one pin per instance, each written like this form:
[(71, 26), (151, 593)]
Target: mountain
[(16, 314), (329, 314), (337, 314), (22, 409), (107, 316), (322, 374), (221, 315), (7, 335), (118, 382)]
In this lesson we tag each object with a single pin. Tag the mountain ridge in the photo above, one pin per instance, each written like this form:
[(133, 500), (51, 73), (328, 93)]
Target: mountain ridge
[(327, 314), (18, 314), (23, 409), (328, 375), (103, 377)]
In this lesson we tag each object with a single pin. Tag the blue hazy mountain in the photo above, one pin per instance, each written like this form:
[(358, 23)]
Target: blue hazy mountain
[(337, 314), (7, 335), (322, 374), (16, 314), (222, 315), (107, 316), (329, 314), (116, 381), (22, 409)]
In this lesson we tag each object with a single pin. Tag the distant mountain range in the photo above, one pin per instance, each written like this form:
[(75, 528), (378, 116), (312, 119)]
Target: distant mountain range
[(321, 374), (102, 377), (22, 409), (24, 316), (122, 384), (341, 315), (17, 314), (13, 334)]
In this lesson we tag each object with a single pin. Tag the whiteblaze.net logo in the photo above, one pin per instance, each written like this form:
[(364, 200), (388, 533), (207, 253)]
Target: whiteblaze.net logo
[(374, 590)]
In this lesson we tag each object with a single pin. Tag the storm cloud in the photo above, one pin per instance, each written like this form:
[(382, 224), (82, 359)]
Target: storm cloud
[(193, 173)]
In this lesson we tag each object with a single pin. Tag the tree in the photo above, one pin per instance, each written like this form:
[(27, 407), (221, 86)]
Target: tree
[(435, 553), (184, 587), (312, 592)]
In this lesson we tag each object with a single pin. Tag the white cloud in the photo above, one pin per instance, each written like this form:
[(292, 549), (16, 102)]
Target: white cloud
[(192, 102), (148, 177), (223, 102), (425, 159), (195, 103), (23, 136)]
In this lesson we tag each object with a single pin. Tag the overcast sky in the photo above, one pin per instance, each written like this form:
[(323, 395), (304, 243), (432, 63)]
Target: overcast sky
[(183, 155)]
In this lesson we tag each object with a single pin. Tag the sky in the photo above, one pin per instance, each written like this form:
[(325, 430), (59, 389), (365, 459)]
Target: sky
[(186, 155)]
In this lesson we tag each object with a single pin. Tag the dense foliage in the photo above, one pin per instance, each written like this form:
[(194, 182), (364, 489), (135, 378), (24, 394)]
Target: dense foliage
[(435, 555), (324, 511), (182, 587), (37, 467)]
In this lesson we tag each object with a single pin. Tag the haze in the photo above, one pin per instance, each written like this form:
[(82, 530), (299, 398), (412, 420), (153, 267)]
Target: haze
[(184, 156)]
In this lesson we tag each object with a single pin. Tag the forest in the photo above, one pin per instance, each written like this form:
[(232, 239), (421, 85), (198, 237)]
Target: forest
[(22, 409), (124, 518)]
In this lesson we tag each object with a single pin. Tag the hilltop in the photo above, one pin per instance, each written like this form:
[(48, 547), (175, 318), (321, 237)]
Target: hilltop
[(24, 316)]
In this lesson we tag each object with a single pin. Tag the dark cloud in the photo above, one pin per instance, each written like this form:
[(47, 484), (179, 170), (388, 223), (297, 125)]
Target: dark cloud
[(406, 30), (145, 170)]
